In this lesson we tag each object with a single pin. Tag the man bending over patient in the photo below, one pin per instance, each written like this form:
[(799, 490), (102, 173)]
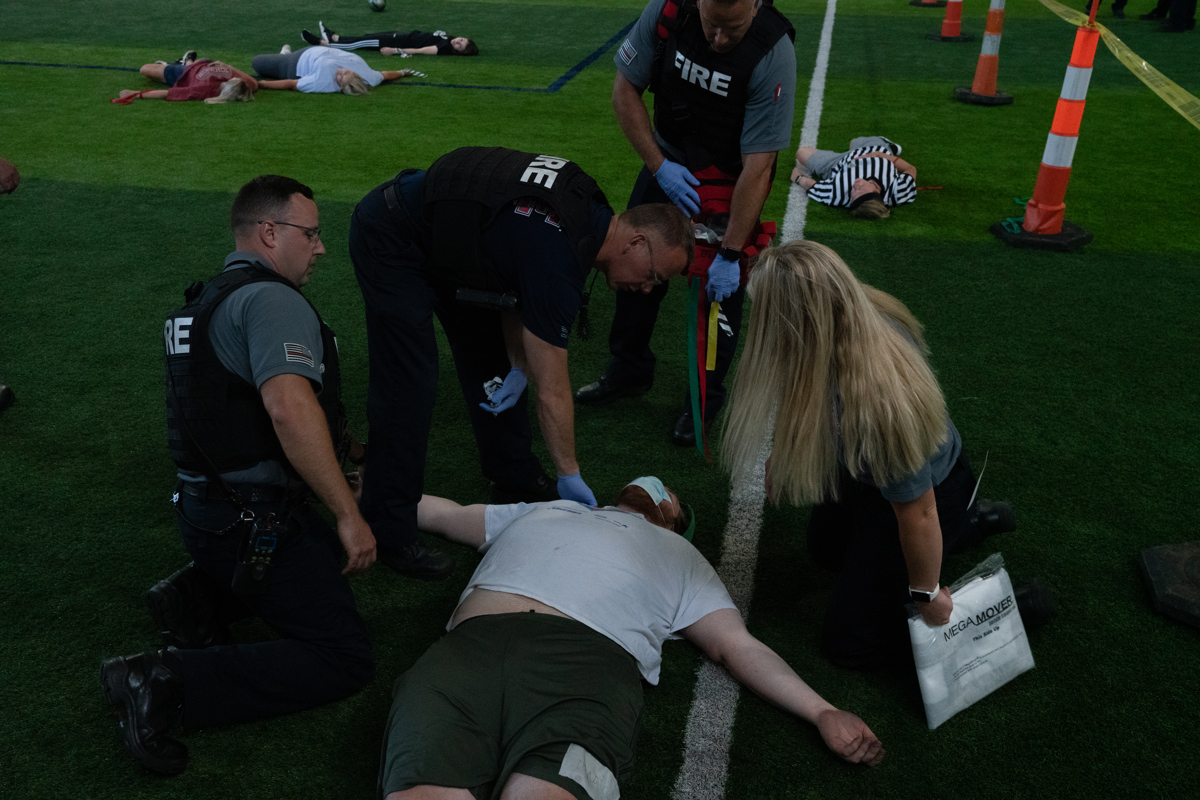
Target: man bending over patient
[(536, 690)]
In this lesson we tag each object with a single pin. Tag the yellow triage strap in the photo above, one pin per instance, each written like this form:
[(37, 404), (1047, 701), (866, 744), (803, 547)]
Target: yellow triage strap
[(1175, 96), (710, 357)]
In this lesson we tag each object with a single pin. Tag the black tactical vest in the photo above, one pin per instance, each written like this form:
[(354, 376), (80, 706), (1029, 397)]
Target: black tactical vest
[(700, 95), (223, 412), (467, 188)]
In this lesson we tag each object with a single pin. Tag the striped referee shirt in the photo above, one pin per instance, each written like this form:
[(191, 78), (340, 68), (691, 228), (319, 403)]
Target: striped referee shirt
[(834, 190)]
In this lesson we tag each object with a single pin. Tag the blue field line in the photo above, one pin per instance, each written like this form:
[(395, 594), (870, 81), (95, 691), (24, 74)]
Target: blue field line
[(559, 83)]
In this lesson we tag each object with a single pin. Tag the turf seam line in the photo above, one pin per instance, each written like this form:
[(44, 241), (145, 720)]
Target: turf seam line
[(65, 66), (709, 733), (554, 87)]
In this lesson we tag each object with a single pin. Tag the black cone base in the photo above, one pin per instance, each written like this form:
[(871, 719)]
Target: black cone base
[(938, 4), (965, 94), (1173, 573), (937, 37), (1071, 237)]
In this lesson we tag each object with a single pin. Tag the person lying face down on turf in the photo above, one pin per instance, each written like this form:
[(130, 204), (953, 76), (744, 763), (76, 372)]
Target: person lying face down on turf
[(498, 245), (547, 704), (862, 434), (190, 78), (322, 69), (869, 178), (395, 43)]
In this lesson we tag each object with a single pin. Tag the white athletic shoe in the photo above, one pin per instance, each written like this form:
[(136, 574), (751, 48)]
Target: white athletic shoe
[(283, 51), (326, 34)]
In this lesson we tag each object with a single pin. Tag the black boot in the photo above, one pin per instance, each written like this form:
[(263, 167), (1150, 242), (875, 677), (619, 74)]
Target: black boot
[(418, 561), (991, 517), (605, 390), (1035, 603), (148, 695), (185, 609)]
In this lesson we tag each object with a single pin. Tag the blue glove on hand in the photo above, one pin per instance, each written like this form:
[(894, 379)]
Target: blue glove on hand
[(723, 278), (572, 487), (674, 180), (507, 395)]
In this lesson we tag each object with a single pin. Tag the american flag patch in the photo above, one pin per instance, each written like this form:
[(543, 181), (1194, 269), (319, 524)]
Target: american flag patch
[(628, 54), (298, 352)]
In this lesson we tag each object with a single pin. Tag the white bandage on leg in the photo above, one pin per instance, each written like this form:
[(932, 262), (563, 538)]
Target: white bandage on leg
[(582, 767)]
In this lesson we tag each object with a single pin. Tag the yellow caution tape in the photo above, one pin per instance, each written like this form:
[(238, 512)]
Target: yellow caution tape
[(710, 358), (1176, 96)]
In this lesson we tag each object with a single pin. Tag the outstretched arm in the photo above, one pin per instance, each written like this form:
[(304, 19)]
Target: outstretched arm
[(285, 84), (459, 524), (723, 637)]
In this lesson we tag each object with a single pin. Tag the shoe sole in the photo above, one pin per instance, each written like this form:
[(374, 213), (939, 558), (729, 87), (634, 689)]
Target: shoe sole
[(114, 675), (615, 394)]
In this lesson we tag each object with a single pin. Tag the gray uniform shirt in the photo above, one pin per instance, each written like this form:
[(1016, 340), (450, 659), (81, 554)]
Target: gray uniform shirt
[(260, 331), (767, 127)]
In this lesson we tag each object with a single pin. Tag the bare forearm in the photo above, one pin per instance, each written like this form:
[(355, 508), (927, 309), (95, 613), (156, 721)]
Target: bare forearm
[(289, 83), (762, 671), (635, 122), (556, 416), (514, 331), (749, 195), (302, 430)]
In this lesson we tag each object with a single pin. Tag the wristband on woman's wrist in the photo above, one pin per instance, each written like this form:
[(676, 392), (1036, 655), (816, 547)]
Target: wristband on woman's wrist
[(922, 596)]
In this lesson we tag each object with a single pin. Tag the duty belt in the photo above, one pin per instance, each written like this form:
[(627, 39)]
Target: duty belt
[(249, 492)]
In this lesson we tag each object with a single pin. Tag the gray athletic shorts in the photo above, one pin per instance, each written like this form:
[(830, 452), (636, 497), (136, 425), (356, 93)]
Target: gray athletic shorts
[(277, 66), (820, 162), (529, 693)]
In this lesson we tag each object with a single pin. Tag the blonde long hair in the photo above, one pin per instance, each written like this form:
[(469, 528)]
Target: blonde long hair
[(817, 334)]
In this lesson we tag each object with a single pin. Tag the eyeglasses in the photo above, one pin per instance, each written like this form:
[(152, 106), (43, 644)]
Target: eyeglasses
[(313, 234), (654, 279)]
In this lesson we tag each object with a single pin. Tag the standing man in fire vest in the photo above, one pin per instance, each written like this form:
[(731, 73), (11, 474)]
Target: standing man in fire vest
[(497, 243), (723, 74)]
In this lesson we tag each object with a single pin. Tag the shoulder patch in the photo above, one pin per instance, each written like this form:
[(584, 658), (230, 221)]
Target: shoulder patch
[(627, 52), (299, 353)]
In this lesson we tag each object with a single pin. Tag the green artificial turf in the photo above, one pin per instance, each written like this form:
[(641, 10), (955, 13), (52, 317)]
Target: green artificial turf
[(1075, 374)]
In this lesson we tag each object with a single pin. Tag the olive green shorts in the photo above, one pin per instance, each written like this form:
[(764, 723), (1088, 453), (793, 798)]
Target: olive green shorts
[(527, 693)]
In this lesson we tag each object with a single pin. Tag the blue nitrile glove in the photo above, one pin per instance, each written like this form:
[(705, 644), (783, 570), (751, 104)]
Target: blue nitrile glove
[(674, 180), (507, 395), (723, 278), (572, 487)]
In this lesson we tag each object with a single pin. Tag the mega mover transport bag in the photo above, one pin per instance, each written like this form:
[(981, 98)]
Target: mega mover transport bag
[(982, 648)]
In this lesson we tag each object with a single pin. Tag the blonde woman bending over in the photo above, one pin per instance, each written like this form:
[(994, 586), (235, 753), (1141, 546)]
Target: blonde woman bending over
[(862, 434)]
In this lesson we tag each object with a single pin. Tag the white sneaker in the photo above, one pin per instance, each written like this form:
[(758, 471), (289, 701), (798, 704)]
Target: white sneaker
[(283, 51)]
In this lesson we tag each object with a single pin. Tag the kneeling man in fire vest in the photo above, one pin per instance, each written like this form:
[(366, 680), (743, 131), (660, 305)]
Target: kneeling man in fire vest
[(723, 75), (256, 426), (547, 704), (497, 243)]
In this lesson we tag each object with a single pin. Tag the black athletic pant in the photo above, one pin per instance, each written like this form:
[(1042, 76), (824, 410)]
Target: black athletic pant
[(374, 41), (632, 360), (324, 653), (858, 538), (402, 349)]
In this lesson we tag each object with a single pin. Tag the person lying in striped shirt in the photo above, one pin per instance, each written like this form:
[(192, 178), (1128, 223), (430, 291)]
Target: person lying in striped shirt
[(868, 179)]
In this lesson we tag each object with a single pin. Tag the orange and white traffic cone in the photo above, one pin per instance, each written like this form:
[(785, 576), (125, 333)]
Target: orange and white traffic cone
[(951, 25), (982, 92), (1044, 226)]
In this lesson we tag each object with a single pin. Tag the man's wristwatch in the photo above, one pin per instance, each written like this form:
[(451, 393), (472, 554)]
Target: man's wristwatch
[(730, 254), (920, 596)]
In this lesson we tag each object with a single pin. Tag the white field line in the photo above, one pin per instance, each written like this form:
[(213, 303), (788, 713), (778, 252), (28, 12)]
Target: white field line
[(714, 702), (797, 207)]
